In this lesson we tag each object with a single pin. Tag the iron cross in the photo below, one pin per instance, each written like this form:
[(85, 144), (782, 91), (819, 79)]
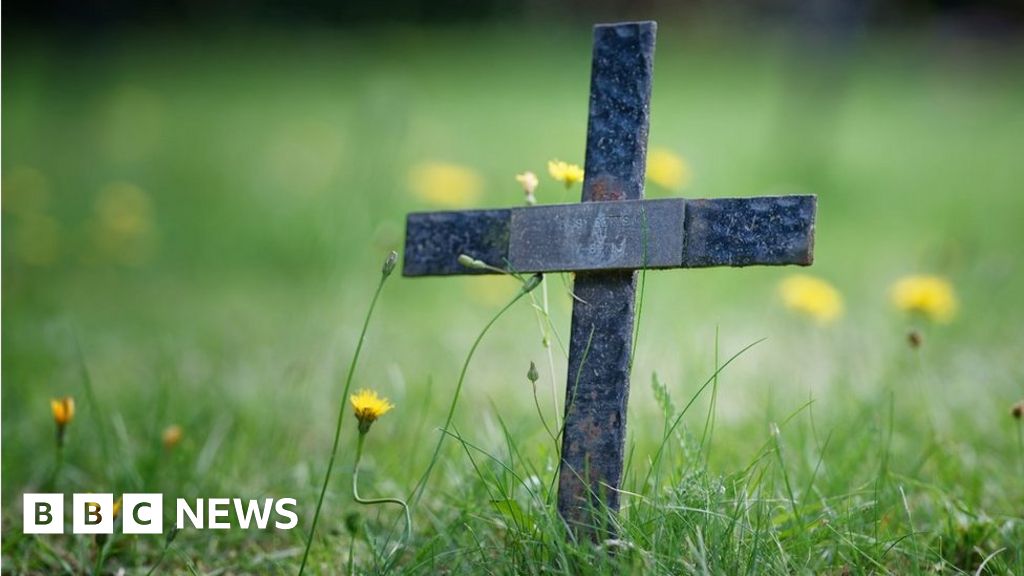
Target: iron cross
[(608, 237)]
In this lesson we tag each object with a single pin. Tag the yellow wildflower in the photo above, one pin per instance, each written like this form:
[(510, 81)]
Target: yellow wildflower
[(528, 180), (63, 410), (117, 508), (368, 406), (171, 436), (812, 296), (123, 227), (444, 184), (63, 413), (668, 169), (487, 290), (565, 173), (931, 296)]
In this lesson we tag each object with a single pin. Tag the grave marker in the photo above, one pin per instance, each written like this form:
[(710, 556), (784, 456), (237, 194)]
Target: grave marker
[(608, 237)]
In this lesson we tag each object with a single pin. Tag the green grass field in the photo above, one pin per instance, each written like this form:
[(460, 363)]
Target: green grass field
[(195, 225)]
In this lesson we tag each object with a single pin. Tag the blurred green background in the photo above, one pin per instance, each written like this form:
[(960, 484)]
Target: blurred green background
[(204, 210)]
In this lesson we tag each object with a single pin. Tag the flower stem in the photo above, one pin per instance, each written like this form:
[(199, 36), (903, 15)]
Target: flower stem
[(543, 420), (101, 554), (547, 345), (351, 555), (57, 465), (417, 490), (1020, 445), (357, 498), (159, 560), (341, 417)]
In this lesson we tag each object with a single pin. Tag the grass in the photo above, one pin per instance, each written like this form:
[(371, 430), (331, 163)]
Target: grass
[(273, 167)]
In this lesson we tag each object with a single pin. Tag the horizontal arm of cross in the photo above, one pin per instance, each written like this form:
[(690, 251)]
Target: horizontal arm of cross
[(625, 235)]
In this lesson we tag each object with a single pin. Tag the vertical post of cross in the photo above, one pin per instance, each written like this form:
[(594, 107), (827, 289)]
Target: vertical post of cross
[(600, 351)]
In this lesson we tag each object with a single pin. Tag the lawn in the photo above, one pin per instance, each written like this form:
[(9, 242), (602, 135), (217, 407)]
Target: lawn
[(194, 225)]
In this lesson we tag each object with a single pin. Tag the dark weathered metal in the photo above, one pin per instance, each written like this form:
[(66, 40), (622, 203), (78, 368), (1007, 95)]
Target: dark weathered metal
[(626, 235), (600, 346), (749, 231), (434, 241), (605, 240)]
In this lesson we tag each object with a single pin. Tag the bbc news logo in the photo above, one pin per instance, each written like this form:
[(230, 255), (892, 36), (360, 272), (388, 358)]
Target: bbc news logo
[(144, 513)]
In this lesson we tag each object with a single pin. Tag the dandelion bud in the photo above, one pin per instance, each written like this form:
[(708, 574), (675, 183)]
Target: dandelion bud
[(352, 521), (532, 375), (117, 509), (63, 410), (171, 535), (171, 436), (389, 264), (528, 180), (470, 262), (532, 283), (63, 413), (1018, 410), (914, 338)]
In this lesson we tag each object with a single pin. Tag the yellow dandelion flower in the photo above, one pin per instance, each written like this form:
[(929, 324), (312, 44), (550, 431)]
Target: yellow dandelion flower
[(930, 296), (368, 406), (812, 296), (63, 413), (123, 228), (171, 436), (63, 410), (565, 173), (117, 508), (668, 169), (444, 184), (489, 290)]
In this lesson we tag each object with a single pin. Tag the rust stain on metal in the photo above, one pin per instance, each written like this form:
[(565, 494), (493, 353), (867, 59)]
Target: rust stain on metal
[(604, 188)]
